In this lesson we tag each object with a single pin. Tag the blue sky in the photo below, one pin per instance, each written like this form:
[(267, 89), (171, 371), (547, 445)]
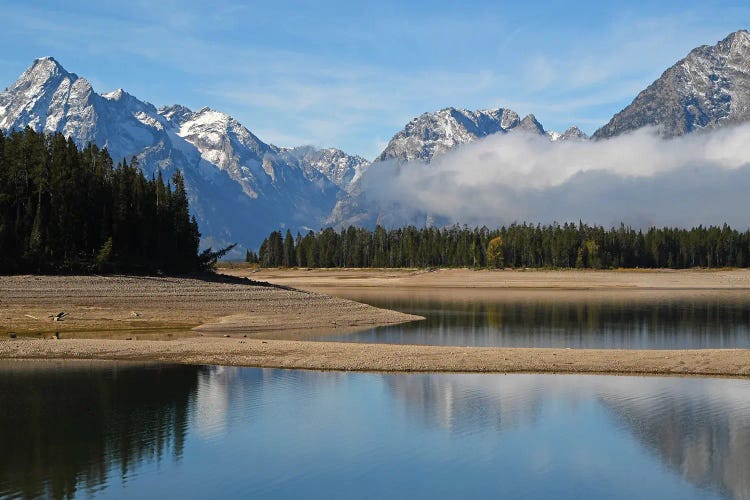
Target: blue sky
[(350, 74)]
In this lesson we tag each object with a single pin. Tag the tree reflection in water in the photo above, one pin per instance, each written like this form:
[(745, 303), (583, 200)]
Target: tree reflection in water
[(62, 430), (551, 320), (79, 430)]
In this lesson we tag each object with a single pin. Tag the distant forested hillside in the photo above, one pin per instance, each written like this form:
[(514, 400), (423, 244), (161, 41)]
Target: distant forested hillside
[(518, 245), (65, 209)]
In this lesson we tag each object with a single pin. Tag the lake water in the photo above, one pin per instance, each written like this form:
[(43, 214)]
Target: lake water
[(206, 432), (551, 320)]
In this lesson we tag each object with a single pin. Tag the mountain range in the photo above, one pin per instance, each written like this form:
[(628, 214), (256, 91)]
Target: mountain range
[(241, 188)]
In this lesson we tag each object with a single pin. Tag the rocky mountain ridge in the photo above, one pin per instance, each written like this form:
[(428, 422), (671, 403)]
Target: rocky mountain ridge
[(710, 87)]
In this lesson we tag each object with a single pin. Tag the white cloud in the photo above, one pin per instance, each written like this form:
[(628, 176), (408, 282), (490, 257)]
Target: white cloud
[(638, 179)]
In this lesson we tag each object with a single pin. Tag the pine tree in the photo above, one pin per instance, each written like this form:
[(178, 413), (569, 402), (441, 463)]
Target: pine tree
[(289, 259), (67, 209)]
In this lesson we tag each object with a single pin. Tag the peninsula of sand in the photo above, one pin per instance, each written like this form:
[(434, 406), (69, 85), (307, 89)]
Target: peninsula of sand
[(273, 319)]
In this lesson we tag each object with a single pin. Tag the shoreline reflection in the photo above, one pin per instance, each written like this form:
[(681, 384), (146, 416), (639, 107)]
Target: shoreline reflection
[(702, 322)]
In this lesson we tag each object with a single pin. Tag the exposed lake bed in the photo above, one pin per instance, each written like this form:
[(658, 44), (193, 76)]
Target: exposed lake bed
[(241, 332)]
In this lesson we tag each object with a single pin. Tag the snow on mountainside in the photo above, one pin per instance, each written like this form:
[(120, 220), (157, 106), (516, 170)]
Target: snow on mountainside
[(433, 134), (240, 188), (340, 168), (708, 88)]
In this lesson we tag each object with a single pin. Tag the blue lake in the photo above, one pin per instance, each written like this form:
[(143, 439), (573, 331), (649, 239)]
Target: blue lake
[(712, 320), (122, 431)]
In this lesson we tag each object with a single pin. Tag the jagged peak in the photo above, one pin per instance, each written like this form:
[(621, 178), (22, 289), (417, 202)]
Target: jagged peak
[(574, 130), (738, 40), (530, 123), (47, 61), (705, 89), (494, 111), (509, 117), (116, 95), (574, 133), (210, 115), (427, 114), (43, 70), (742, 34), (309, 149), (128, 100), (206, 109), (176, 113), (464, 111), (171, 108)]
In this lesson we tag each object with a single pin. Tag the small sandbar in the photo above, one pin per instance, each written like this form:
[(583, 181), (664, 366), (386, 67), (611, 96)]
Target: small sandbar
[(388, 358)]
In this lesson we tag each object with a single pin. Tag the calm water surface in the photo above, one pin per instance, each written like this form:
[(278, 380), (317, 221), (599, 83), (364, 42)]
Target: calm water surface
[(206, 432), (712, 321)]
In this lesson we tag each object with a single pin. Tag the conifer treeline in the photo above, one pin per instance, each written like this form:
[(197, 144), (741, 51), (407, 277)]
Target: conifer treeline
[(65, 209), (518, 245)]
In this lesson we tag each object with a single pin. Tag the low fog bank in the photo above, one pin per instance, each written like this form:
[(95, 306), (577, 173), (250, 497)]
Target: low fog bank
[(639, 179)]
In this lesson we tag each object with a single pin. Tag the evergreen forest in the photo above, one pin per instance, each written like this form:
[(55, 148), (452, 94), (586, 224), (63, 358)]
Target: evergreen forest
[(568, 245), (68, 209)]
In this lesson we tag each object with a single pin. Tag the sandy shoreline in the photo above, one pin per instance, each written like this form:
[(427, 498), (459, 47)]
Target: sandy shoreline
[(387, 358), (689, 280), (193, 316)]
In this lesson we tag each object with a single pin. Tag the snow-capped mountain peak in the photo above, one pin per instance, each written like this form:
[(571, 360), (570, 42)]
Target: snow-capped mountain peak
[(433, 134), (571, 134), (45, 71), (37, 94), (240, 188)]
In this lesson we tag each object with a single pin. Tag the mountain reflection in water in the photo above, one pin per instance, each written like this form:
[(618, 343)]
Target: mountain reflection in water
[(192, 431), (700, 428)]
